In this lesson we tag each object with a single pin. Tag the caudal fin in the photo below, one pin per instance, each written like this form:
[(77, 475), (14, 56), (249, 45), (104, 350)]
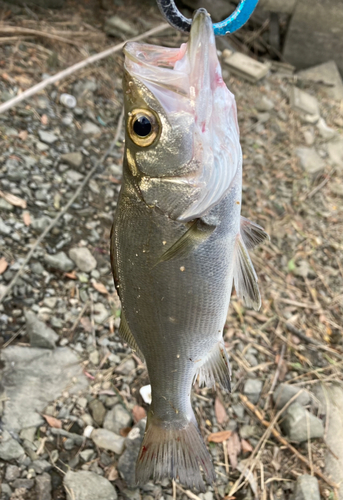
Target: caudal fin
[(174, 453)]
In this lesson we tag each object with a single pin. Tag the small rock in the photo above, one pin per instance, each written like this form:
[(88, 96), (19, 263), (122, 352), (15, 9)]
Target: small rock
[(302, 101), (87, 455), (145, 392), (59, 261), (4, 205), (37, 268), (26, 484), (43, 487), (10, 449), (47, 137), (40, 466), (5, 490), (300, 425), (337, 189), (246, 67), (12, 473), (98, 411), (285, 392), (249, 431), (306, 488), (264, 104), (72, 176), (85, 485), (309, 137), (40, 224), (115, 24), (83, 259), (90, 128), (117, 418), (310, 160), (132, 446), (303, 269), (29, 433), (94, 357), (4, 228), (335, 151), (252, 389), (108, 440), (74, 159), (40, 334), (100, 313), (325, 131)]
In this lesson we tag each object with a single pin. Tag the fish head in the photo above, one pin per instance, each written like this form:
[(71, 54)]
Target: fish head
[(182, 136)]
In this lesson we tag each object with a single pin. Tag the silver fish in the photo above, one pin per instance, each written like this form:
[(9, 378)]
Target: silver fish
[(178, 240)]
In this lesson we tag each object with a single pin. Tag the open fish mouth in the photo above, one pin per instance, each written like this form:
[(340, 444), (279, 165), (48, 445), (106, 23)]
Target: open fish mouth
[(188, 84)]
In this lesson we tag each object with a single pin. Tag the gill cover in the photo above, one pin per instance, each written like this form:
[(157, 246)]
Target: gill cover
[(189, 168)]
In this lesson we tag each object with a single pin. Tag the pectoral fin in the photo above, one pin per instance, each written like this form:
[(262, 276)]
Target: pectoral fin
[(244, 276), (252, 233), (191, 239), (126, 335)]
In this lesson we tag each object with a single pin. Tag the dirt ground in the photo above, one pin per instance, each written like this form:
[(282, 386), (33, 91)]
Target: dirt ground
[(296, 337)]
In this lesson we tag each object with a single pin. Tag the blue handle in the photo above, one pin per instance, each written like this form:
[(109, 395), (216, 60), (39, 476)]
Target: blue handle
[(239, 17)]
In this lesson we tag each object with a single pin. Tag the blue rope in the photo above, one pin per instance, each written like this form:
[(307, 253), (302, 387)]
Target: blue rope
[(239, 17)]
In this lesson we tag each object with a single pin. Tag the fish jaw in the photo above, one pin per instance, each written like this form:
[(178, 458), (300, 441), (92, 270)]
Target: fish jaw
[(198, 146)]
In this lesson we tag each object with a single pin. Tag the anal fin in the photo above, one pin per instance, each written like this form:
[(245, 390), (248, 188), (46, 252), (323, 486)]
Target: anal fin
[(252, 233), (215, 368), (126, 335), (244, 276)]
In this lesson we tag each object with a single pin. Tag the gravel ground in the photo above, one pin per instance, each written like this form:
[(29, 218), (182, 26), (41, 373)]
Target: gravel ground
[(72, 415)]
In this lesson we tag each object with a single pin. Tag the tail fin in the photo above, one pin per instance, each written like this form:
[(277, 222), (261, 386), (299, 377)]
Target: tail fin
[(174, 453)]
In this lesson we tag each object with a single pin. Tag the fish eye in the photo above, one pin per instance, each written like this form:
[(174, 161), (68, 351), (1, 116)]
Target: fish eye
[(143, 127)]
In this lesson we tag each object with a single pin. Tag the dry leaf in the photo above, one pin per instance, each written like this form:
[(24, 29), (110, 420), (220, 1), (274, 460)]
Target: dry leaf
[(219, 437), (138, 413), (86, 324), (44, 119), (100, 287), (246, 446), (125, 431), (71, 275), (13, 200), (111, 473), (26, 218), (233, 449), (220, 412), (3, 265), (23, 135), (53, 422)]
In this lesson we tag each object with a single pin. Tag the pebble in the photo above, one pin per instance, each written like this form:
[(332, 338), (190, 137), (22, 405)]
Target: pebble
[(87, 455), (252, 389), (90, 128), (10, 449), (74, 159), (86, 485), (100, 313), (4, 205), (108, 440), (12, 472), (59, 261), (326, 132), (40, 466), (310, 160), (117, 418), (83, 259), (335, 152), (98, 411), (26, 484), (133, 443), (264, 104), (300, 425), (47, 137), (72, 176), (6, 490), (306, 488), (39, 333), (39, 225), (4, 228), (94, 357), (302, 101), (43, 487)]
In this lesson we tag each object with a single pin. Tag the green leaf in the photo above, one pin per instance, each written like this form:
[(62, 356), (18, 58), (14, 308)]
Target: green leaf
[(291, 265)]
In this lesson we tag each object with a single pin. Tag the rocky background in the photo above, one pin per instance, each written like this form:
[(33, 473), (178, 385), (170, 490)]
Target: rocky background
[(73, 398)]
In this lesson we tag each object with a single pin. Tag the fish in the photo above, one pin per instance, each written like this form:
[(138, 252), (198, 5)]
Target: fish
[(178, 241)]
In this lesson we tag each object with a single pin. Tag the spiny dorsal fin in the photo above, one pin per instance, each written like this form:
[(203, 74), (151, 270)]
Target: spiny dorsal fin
[(252, 233), (126, 335), (244, 276), (192, 238)]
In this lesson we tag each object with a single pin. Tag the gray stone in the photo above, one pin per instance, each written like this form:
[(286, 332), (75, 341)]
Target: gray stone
[(303, 269), (83, 259), (59, 261), (325, 131), (12, 472), (5, 490), (10, 449), (28, 434), (279, 6), (285, 392), (306, 488), (100, 313), (328, 74), (115, 26), (129, 457), (40, 224), (108, 440), (87, 455), (4, 228), (37, 268), (90, 128), (246, 67), (264, 104), (302, 101), (85, 485), (43, 487), (40, 466), (309, 137), (310, 160), (300, 425), (47, 137), (117, 418), (74, 159), (252, 389), (335, 151), (4, 205), (98, 411), (26, 484), (39, 333), (32, 378), (72, 176)]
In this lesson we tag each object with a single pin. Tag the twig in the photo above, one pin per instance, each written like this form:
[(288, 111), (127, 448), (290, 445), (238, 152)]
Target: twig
[(189, 493), (276, 377), (284, 442), (68, 71), (76, 322), (41, 34), (64, 210), (315, 342)]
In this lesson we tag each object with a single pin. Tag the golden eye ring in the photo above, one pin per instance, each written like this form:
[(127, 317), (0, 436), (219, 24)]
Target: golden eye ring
[(143, 127)]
